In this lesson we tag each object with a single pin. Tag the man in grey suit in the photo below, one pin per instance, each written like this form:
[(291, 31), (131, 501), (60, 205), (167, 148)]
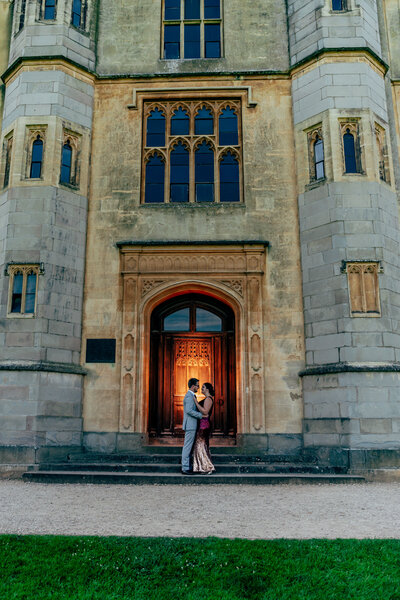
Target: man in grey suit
[(190, 419)]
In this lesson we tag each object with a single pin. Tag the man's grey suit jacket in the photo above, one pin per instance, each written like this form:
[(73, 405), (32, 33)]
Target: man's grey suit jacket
[(190, 413)]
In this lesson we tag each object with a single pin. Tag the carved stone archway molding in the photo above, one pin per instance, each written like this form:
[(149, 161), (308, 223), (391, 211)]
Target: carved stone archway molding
[(153, 272)]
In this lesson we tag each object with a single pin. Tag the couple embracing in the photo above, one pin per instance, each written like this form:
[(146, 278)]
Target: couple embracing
[(196, 425)]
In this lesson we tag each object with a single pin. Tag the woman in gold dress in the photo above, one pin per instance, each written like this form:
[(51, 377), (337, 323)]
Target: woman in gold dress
[(201, 450)]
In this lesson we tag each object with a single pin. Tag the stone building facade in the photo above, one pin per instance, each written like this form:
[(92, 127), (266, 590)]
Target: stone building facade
[(200, 188)]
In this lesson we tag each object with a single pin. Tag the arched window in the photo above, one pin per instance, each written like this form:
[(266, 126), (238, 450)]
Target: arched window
[(204, 176), (228, 128), (37, 158), (179, 177), (319, 163), (155, 129), (349, 152), (339, 5), (204, 122), (155, 168), (8, 144), (180, 122), (78, 13), (66, 163), (49, 12), (23, 287), (229, 178)]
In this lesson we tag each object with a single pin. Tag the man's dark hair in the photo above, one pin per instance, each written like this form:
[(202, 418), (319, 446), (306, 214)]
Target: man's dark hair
[(192, 381)]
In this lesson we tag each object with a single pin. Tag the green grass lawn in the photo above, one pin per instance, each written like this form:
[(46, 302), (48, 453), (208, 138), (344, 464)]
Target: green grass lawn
[(91, 568)]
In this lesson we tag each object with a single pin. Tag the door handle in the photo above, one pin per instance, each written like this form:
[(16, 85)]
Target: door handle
[(221, 402)]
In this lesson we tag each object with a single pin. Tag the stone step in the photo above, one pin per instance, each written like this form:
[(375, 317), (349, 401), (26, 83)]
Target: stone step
[(105, 477), (174, 467), (171, 457)]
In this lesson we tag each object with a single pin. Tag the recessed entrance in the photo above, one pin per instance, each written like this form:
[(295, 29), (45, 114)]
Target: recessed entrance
[(192, 336)]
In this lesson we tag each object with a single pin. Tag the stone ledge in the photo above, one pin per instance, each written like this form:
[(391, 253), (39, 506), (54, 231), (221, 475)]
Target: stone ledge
[(346, 367), (42, 366)]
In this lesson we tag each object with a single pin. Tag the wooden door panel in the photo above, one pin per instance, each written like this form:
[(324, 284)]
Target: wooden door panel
[(192, 358)]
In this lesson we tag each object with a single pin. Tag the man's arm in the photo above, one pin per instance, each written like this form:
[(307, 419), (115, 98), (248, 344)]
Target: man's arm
[(190, 408), (194, 413)]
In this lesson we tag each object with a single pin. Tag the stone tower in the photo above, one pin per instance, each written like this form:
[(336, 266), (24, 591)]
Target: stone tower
[(200, 188), (48, 104)]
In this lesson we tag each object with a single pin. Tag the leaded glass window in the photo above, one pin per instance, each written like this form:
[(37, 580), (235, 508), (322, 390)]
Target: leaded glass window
[(192, 29), (192, 151)]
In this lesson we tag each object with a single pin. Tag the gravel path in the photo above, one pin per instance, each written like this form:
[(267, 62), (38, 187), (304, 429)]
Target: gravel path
[(291, 511)]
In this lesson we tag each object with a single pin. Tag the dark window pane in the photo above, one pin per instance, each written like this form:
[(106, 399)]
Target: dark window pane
[(204, 123), (228, 128), (50, 9), (319, 170), (212, 9), (178, 321), (172, 10), (100, 351), (192, 9), (37, 157), (22, 15), (16, 300), (204, 177), (154, 190), (180, 122), (338, 5), (66, 162), (77, 13), (212, 36), (207, 321), (229, 179), (172, 36), (349, 153), (155, 129), (30, 293), (192, 41), (179, 176)]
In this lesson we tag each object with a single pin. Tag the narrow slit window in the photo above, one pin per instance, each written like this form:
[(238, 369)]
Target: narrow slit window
[(319, 158), (22, 15), (155, 129), (37, 158), (179, 191), (16, 300), (9, 143), (30, 293), (363, 285), (349, 148), (204, 176), (77, 13), (229, 179), (49, 10), (155, 175), (66, 163)]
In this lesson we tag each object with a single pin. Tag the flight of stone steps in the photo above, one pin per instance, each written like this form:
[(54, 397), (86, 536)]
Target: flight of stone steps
[(161, 465)]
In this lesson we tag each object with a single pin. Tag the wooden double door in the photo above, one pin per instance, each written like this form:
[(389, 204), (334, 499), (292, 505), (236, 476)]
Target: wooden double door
[(182, 348)]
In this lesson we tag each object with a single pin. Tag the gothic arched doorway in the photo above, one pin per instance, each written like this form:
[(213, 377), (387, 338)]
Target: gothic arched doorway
[(191, 336)]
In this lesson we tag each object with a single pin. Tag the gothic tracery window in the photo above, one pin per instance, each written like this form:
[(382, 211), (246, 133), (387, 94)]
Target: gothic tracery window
[(192, 151), (22, 290), (192, 29), (37, 158), (363, 288), (8, 144), (69, 171), (383, 155), (316, 154), (351, 146)]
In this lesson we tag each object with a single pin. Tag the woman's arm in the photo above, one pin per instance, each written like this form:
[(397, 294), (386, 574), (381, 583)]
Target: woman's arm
[(204, 411)]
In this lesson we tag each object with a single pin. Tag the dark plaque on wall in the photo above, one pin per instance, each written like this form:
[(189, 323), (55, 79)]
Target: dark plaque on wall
[(100, 351)]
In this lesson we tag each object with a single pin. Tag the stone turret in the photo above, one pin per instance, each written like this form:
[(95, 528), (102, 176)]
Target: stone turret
[(348, 227), (46, 132)]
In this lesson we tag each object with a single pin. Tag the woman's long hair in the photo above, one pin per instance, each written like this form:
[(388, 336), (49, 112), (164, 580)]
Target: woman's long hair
[(210, 389)]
